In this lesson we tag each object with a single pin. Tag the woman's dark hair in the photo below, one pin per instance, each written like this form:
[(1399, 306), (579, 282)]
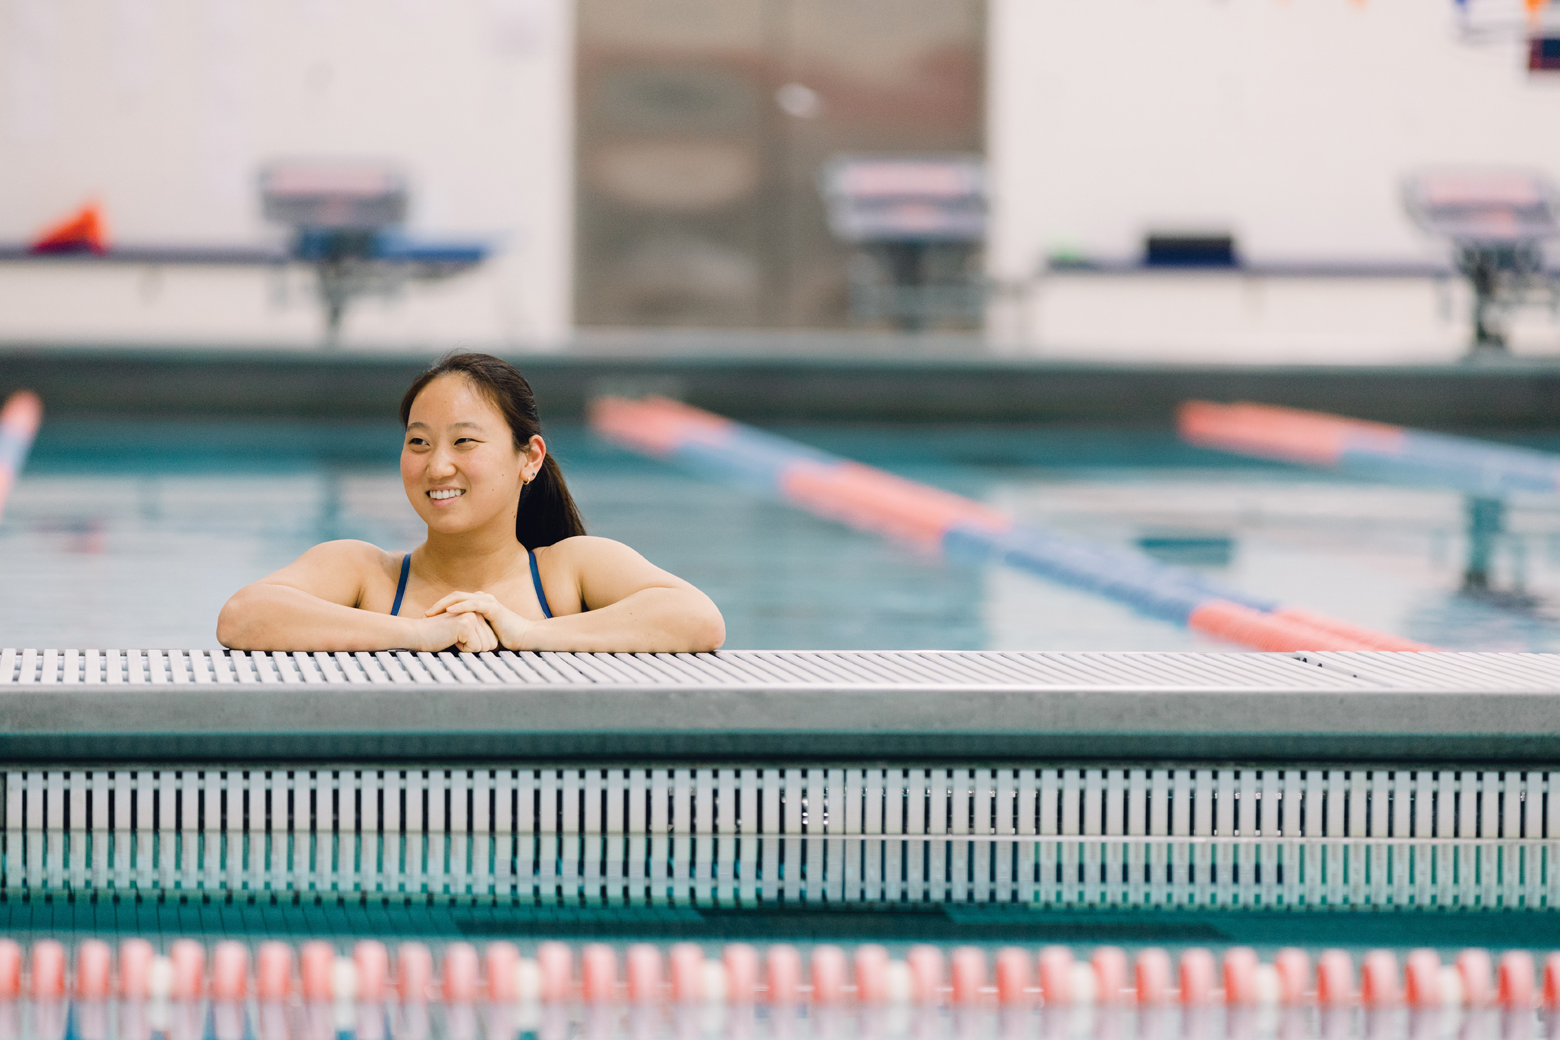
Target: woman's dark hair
[(547, 510)]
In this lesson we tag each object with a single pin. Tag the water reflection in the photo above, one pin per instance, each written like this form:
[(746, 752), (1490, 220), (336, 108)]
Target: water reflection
[(681, 869), (124, 547), (137, 1020)]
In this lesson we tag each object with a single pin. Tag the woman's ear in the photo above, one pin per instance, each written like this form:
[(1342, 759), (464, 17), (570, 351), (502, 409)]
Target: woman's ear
[(535, 454)]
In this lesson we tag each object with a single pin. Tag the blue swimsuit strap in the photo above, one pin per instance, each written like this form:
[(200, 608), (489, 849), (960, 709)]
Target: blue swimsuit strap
[(400, 589), (536, 579), (406, 570)]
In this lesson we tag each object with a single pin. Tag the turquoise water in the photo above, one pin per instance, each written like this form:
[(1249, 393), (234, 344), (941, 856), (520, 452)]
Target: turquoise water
[(133, 534)]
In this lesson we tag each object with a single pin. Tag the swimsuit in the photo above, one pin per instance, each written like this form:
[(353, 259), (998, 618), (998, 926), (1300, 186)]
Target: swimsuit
[(536, 580)]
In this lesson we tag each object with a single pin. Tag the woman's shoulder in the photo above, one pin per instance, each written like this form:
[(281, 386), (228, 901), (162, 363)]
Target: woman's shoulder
[(584, 548), (342, 571), (350, 554)]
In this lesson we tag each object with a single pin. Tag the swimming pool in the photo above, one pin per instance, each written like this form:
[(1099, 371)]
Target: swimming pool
[(134, 533)]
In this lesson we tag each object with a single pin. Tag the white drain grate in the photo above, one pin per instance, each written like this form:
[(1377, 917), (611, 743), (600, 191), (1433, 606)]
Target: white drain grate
[(757, 668), (1293, 836)]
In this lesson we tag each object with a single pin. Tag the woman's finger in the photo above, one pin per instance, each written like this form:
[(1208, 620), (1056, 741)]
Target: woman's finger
[(476, 636), (471, 606), (444, 604), (438, 608), (480, 601)]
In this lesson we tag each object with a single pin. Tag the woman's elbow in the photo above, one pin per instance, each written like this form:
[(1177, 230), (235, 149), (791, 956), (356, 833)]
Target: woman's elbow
[(234, 621), (708, 632)]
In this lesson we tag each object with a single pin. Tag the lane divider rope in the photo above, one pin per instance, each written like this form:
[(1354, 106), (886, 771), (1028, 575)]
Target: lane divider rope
[(19, 422), (1370, 448), (738, 973), (934, 519)]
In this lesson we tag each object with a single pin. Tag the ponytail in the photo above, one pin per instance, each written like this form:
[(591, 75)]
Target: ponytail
[(547, 510)]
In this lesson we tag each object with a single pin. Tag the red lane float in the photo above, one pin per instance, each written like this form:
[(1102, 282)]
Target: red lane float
[(188, 958), (461, 974), (1293, 968), (1360, 637), (1421, 979), (47, 971), (644, 973), (1290, 630), (1334, 979), (135, 969), (870, 499), (1154, 984), (784, 975), (413, 973), (741, 963), (926, 974), (317, 966), (1240, 976), (1379, 986), (1056, 975), (598, 973), (1515, 981), (555, 962), (1197, 975), (1552, 982), (230, 971), (10, 970), (1110, 974), (969, 974), (1286, 434), (828, 975), (687, 964), (1475, 974), (94, 970), (872, 974), (273, 971), (1013, 976), (371, 962)]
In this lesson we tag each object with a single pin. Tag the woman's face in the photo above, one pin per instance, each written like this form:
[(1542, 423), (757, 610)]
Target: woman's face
[(459, 463)]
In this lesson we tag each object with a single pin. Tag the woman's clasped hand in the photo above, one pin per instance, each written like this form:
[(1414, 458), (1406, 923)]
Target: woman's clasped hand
[(483, 621)]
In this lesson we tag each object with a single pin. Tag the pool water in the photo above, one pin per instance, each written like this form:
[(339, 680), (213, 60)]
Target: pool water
[(133, 534)]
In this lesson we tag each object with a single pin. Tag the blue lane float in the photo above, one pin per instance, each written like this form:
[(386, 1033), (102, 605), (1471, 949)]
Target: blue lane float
[(873, 500)]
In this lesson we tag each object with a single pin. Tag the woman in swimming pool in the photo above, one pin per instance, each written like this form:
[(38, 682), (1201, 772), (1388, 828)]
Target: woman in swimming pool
[(507, 562)]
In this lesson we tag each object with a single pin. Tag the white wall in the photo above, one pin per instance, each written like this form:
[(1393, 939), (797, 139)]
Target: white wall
[(164, 109), (1289, 123)]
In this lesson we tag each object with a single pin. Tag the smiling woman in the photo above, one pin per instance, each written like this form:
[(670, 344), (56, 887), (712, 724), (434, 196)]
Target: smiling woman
[(506, 563)]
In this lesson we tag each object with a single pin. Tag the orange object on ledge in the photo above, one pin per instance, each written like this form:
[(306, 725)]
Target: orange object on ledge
[(84, 231)]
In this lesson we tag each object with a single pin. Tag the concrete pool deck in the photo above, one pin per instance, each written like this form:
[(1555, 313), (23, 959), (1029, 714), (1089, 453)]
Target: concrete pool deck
[(822, 379)]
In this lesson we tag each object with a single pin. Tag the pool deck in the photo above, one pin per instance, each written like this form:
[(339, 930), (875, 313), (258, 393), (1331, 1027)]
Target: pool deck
[(200, 705), (819, 379)]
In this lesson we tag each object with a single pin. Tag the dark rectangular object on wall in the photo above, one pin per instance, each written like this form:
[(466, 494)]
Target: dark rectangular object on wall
[(1544, 54), (1190, 251)]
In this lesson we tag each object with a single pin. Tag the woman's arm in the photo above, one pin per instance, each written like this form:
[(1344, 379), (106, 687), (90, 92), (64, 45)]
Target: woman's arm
[(311, 604), (631, 606)]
